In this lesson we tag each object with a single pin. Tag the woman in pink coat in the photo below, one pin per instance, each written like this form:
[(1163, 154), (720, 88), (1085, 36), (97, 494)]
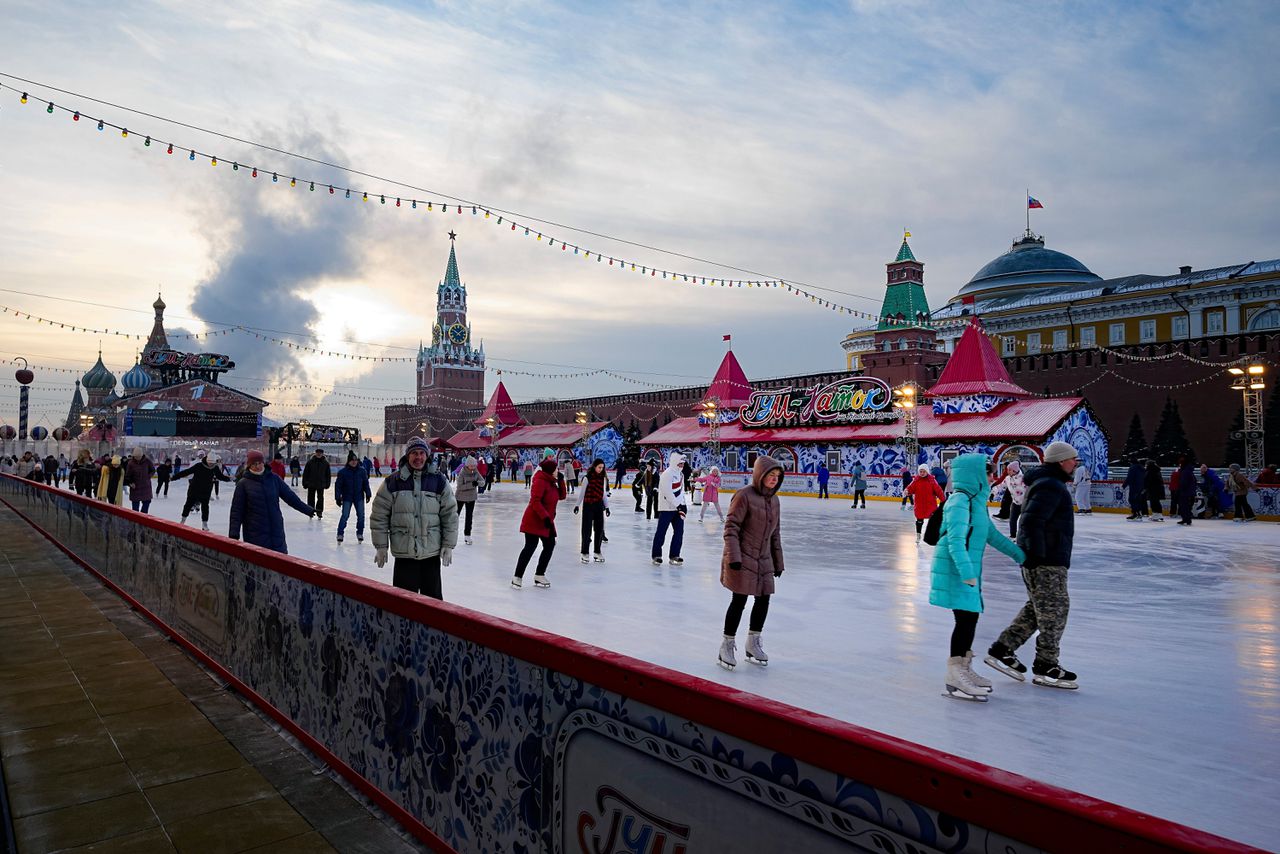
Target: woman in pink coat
[(711, 492), (752, 559)]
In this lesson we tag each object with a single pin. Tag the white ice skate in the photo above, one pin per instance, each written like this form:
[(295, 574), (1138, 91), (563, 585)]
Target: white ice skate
[(958, 686), (981, 681), (541, 581), (516, 582), (584, 558), (598, 559), (755, 651), (183, 520), (1054, 677), (467, 540), (204, 526), (728, 653)]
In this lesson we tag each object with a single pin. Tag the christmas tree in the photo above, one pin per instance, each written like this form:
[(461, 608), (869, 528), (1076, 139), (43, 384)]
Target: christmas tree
[(1235, 446), (1171, 438), (1136, 444)]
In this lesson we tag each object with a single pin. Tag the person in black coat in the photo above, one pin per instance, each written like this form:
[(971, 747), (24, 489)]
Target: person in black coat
[(1153, 482), (203, 475), (316, 478), (255, 506), (1135, 481), (164, 472), (1186, 492)]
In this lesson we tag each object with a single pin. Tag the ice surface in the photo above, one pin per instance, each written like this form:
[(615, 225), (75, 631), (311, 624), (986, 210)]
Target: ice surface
[(1173, 632)]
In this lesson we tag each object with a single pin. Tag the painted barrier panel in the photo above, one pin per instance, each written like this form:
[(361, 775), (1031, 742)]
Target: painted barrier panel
[(481, 735)]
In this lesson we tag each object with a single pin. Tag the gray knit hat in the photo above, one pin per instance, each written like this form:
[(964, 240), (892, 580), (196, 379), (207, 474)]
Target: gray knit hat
[(1059, 452)]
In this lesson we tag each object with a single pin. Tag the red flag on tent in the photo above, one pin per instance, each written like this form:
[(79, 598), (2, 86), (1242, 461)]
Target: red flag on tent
[(727, 337)]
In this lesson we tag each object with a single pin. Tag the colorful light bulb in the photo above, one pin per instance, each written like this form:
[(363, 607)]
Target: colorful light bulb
[(331, 189), (313, 186), (170, 151), (50, 109), (213, 161), (255, 172), (191, 155), (348, 194), (147, 142), (415, 204), (397, 203), (293, 182), (75, 117), (275, 179), (235, 167), (384, 199), (100, 125), (124, 131)]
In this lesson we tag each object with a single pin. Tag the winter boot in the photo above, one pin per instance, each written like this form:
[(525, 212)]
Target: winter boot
[(755, 651), (1006, 662), (958, 685), (1053, 676), (981, 681), (728, 652)]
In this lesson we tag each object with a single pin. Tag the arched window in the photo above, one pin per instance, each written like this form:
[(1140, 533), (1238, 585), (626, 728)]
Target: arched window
[(785, 457), (1268, 318)]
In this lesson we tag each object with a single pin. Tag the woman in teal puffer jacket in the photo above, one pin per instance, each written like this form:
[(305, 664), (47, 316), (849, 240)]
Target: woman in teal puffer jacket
[(956, 579)]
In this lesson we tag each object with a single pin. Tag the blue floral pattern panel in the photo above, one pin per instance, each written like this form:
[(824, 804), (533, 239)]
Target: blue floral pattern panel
[(1082, 432), (967, 404)]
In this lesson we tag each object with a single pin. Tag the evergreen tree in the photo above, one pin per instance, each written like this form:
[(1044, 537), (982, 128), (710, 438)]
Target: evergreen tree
[(1235, 447), (653, 428), (1136, 444), (633, 440), (666, 420), (1171, 438)]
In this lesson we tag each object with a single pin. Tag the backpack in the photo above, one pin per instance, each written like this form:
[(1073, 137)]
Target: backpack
[(933, 528)]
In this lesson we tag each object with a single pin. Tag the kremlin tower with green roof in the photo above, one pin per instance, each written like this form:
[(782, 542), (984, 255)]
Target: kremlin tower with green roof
[(905, 305)]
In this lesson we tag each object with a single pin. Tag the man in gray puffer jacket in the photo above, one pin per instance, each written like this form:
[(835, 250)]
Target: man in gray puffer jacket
[(416, 515)]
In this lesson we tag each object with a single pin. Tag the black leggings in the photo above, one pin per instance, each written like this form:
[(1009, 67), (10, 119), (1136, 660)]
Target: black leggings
[(592, 524), (530, 543), (962, 634), (1156, 507), (470, 507), (1242, 508), (733, 617), (191, 504), (418, 576)]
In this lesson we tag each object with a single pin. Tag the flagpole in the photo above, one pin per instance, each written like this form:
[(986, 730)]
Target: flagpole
[(1027, 202)]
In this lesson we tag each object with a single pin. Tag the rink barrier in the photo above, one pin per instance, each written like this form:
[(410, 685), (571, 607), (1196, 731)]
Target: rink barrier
[(477, 733)]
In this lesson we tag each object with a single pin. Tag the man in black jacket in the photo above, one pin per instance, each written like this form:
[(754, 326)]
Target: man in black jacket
[(1045, 531), (316, 478)]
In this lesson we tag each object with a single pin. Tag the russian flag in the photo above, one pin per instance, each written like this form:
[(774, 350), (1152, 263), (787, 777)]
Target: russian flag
[(1033, 203)]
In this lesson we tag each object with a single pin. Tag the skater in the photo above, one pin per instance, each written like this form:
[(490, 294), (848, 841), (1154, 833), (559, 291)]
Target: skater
[(255, 506), (687, 471), (278, 468), (415, 516), (466, 488), (906, 483), (1006, 500), (111, 481), (752, 559), (177, 464), (637, 488), (1153, 485), (84, 473), (377, 467), (26, 464), (618, 475), (594, 504), (1239, 486), (204, 475), (137, 476), (316, 478), (492, 476), (482, 467), (528, 474), (350, 490), (1185, 488), (1082, 483), (824, 475), (538, 524), (859, 475), (51, 473), (711, 493), (671, 510), (1135, 481), (575, 468), (955, 580), (926, 494), (1215, 492), (36, 475), (295, 469), (164, 471), (651, 478), (1045, 538), (1016, 489)]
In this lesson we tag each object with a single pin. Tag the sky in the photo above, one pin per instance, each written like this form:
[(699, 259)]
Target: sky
[(796, 140)]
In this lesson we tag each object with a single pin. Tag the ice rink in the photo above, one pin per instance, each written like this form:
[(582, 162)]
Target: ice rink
[(1173, 632)]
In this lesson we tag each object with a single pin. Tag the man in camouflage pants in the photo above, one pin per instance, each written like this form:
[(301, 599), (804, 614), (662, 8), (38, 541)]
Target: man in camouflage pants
[(1045, 531)]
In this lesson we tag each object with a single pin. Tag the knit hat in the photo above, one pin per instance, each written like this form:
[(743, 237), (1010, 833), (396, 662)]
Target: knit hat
[(351, 456), (319, 451), (1059, 452), (254, 457), (923, 469), (417, 443)]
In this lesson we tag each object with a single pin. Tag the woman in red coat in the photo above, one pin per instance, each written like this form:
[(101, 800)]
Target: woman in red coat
[(927, 495), (539, 522)]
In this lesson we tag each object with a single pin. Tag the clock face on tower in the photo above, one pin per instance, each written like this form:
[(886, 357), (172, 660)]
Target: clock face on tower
[(458, 334)]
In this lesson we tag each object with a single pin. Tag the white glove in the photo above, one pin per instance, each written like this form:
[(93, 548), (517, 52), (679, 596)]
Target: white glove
[(380, 559), (446, 557)]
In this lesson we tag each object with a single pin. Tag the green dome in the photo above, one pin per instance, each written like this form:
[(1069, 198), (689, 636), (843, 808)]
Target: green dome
[(99, 378)]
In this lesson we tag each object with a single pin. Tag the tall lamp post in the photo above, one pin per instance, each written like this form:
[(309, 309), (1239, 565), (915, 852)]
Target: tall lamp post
[(1250, 382), (492, 424), (584, 421), (711, 412), (24, 377), (905, 400)]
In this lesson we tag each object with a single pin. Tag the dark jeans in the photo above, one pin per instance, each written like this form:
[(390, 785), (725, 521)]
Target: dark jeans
[(470, 507), (1015, 510), (906, 498), (822, 491), (1006, 502), (592, 523), (859, 495), (315, 499), (191, 505), (346, 513), (617, 481), (1243, 510), (162, 486), (639, 496), (673, 519), (1137, 504), (1185, 503), (530, 543), (733, 616), (418, 576), (650, 503), (962, 634), (1156, 508), (140, 506)]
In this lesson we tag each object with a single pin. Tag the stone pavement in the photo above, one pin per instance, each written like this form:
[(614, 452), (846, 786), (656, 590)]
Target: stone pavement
[(113, 739)]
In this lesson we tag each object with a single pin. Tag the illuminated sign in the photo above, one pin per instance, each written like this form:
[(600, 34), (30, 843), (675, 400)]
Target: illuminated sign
[(858, 399), (189, 361)]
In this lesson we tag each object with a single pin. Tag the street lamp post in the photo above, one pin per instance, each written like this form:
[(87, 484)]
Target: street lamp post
[(905, 400), (711, 411), (1250, 381)]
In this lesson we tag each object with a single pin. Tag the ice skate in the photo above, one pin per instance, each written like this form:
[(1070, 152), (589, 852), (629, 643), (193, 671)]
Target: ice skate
[(1006, 662), (959, 686), (541, 581), (359, 538), (467, 540), (598, 558), (728, 653), (584, 558), (981, 681), (755, 651), (517, 582), (1157, 518), (1053, 677), (204, 526), (339, 539), (677, 561), (657, 561), (184, 520)]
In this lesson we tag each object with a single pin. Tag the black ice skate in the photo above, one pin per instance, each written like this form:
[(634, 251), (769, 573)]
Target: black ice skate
[(1006, 662), (1053, 677)]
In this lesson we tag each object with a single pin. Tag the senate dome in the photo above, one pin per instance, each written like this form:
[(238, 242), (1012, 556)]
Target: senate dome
[(1027, 266)]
